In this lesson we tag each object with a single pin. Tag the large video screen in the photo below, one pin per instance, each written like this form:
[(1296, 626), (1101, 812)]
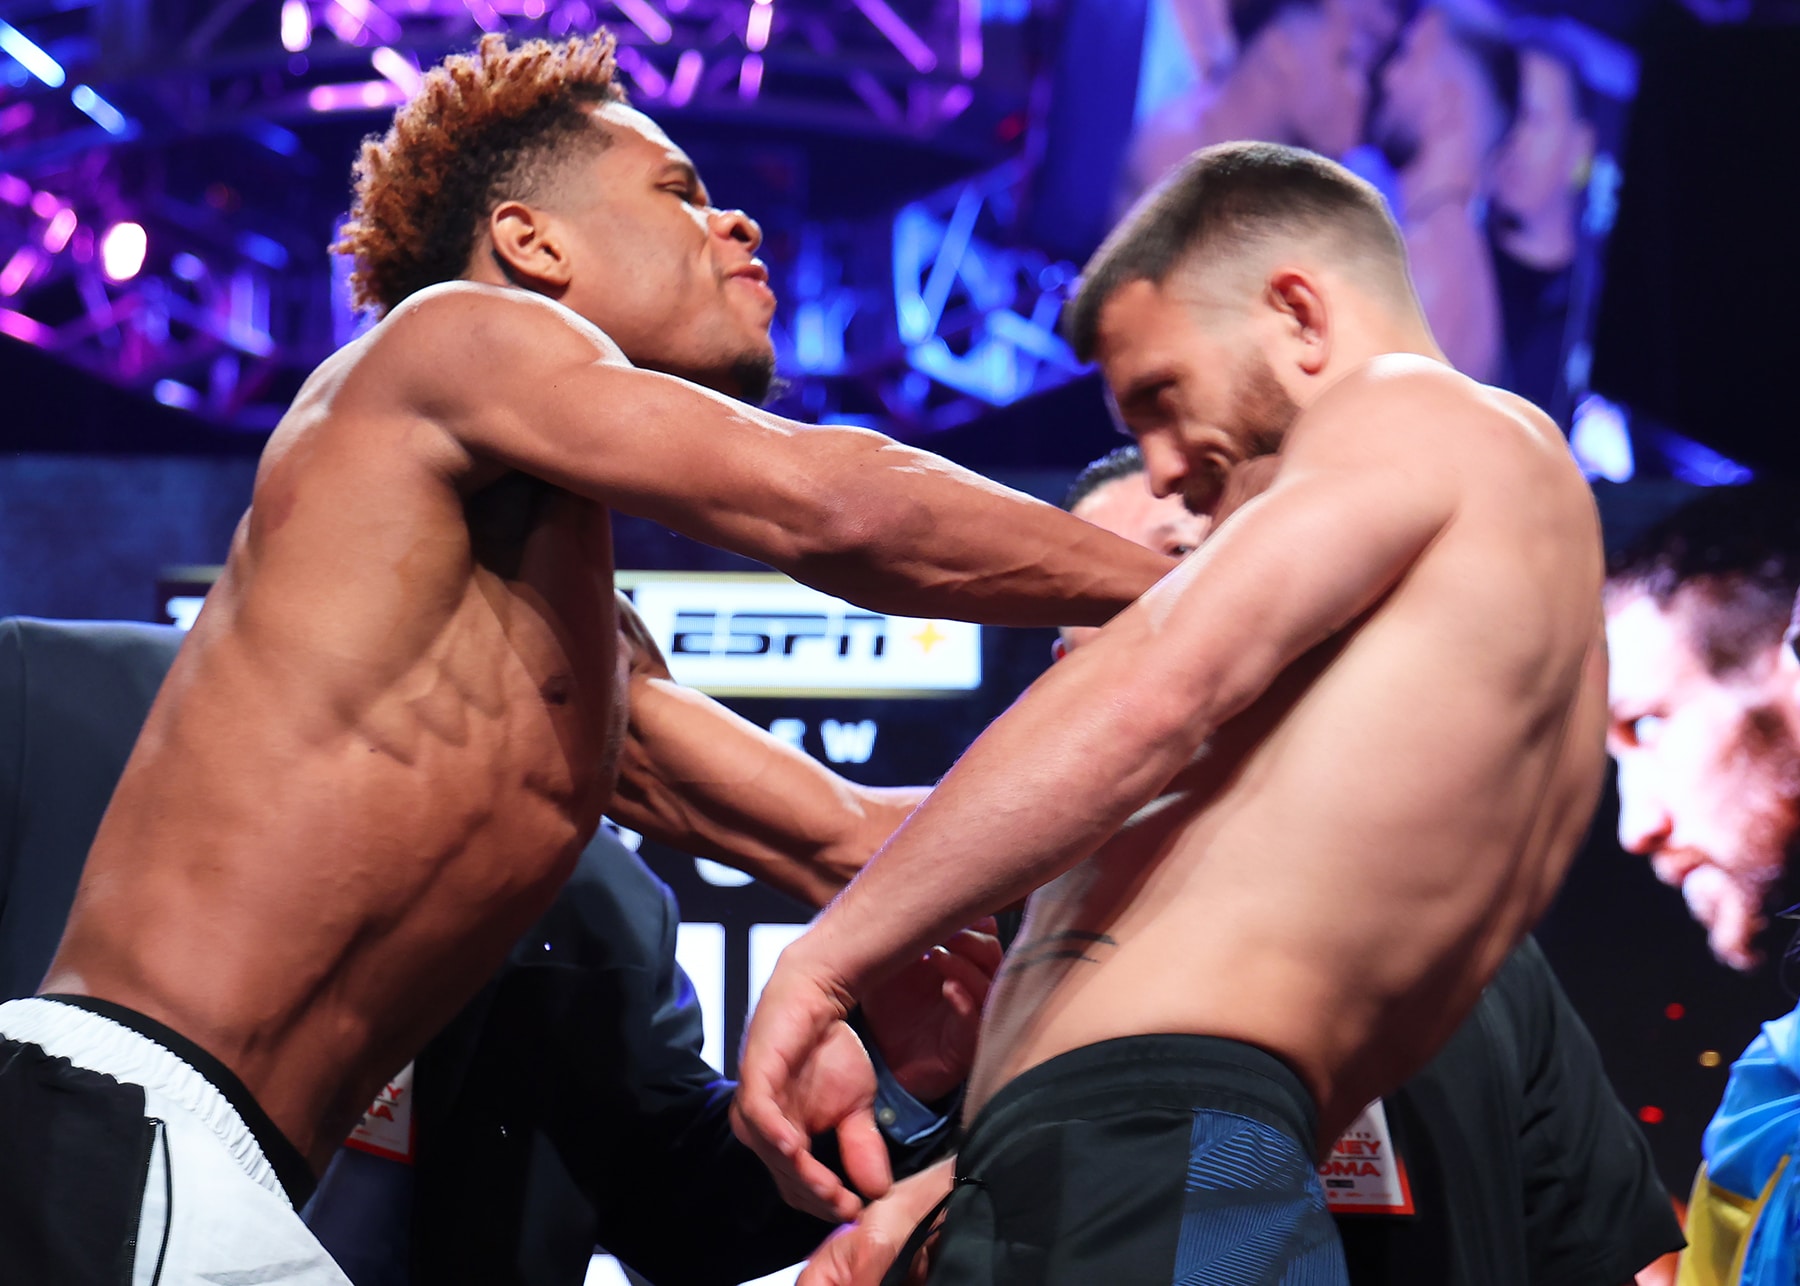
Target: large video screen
[(1493, 134)]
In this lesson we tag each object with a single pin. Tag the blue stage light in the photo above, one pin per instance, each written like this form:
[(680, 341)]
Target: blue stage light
[(104, 114), (30, 57)]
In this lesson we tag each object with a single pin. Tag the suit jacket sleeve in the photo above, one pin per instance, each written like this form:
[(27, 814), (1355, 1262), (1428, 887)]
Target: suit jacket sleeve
[(696, 1206), (1595, 1211), (569, 1106)]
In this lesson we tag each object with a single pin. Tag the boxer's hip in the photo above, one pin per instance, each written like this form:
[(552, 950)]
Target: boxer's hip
[(127, 1154), (1144, 1159)]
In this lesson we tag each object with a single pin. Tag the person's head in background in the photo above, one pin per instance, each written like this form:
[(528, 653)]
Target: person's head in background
[(1112, 492), (1705, 714), (1307, 62), (1541, 168), (1300, 77), (1448, 97), (1231, 297)]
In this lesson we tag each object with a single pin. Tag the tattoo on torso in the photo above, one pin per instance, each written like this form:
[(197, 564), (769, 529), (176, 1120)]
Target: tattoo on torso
[(1067, 944)]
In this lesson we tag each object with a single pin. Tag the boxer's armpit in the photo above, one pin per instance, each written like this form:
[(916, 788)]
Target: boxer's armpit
[(1078, 945)]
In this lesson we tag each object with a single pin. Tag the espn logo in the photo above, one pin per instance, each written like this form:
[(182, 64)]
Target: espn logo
[(761, 634)]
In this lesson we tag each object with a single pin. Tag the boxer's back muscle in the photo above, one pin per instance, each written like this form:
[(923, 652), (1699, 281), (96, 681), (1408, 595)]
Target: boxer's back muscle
[(372, 765)]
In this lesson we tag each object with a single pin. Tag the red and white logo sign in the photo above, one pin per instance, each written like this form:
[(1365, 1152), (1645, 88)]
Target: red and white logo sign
[(1364, 1174), (387, 1127)]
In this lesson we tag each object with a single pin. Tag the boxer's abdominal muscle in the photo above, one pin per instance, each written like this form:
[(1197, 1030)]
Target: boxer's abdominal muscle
[(356, 791)]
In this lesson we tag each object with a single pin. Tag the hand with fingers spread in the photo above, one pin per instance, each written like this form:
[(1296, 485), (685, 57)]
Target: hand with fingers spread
[(924, 1020), (862, 1253), (804, 1073)]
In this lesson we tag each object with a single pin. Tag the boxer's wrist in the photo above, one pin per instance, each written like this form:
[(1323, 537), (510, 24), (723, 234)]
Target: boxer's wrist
[(909, 1114)]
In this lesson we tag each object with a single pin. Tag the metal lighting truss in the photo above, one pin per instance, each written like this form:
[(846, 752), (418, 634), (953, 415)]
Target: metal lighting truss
[(168, 170)]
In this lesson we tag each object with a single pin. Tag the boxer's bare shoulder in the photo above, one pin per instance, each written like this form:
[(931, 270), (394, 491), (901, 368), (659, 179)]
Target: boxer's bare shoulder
[(1399, 641)]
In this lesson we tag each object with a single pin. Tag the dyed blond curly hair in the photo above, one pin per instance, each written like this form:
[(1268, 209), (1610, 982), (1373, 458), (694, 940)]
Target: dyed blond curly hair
[(479, 131)]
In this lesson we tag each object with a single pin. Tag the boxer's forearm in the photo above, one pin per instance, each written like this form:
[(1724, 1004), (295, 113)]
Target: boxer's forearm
[(928, 538), (1100, 735), (1040, 790), (698, 778)]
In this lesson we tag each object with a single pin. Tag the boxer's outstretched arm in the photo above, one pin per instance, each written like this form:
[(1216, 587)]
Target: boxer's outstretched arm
[(697, 777), (1102, 733), (1104, 730), (518, 380)]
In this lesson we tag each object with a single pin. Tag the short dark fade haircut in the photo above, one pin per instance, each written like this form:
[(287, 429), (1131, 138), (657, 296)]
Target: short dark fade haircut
[(1121, 462), (1218, 203), (1736, 550)]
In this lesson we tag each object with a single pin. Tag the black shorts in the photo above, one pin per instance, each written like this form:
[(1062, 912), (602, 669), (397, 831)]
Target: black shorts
[(1147, 1159)]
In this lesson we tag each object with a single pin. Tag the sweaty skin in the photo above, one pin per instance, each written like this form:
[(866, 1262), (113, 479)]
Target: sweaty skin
[(400, 715), (1395, 661)]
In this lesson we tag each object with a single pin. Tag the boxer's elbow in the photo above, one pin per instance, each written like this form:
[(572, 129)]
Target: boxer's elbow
[(1196, 693)]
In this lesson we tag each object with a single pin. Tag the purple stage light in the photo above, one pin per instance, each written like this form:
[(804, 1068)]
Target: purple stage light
[(16, 117), (19, 326), (356, 21), (485, 15), (187, 267), (18, 270), (44, 205), (968, 38), (750, 77), (756, 31), (296, 25), (355, 96), (646, 19), (399, 69), (122, 250), (58, 231), (687, 77), (14, 190), (641, 70), (901, 36), (265, 250), (175, 393)]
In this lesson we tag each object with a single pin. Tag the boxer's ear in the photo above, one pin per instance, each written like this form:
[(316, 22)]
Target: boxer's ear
[(529, 248), (1295, 295)]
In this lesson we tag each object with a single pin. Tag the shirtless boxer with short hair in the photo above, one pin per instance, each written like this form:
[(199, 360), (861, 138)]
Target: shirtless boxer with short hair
[(1395, 655), (399, 717)]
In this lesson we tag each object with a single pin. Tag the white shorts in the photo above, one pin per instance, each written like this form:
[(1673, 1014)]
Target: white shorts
[(212, 1209)]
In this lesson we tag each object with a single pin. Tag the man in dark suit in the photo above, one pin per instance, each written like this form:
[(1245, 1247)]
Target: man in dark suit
[(566, 1106)]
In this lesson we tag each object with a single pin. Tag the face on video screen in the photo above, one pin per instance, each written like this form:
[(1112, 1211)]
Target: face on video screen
[(1709, 771)]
